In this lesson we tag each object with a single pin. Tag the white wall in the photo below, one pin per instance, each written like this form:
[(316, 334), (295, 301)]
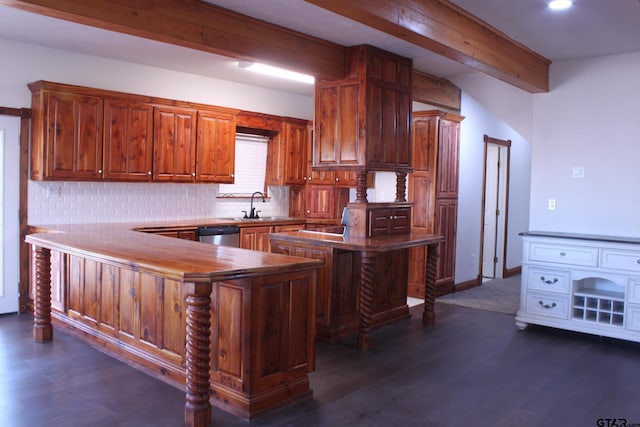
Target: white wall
[(478, 122), (80, 202), (589, 119)]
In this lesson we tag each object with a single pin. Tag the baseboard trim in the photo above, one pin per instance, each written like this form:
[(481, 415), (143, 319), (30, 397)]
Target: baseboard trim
[(508, 272), (473, 283)]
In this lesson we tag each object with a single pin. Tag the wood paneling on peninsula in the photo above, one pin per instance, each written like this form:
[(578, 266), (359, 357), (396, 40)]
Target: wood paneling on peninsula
[(237, 327)]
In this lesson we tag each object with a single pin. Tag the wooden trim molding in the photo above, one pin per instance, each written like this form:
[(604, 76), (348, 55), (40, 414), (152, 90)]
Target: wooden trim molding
[(23, 201)]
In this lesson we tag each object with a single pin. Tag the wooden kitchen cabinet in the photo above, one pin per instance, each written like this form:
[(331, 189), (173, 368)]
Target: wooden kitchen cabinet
[(385, 221), (296, 201), (433, 188), (296, 149), (67, 134), (255, 238), (363, 121), (216, 143), (174, 144), (128, 147), (325, 201)]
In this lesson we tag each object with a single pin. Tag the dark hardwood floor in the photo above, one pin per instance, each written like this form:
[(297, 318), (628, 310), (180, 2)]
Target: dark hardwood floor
[(473, 368)]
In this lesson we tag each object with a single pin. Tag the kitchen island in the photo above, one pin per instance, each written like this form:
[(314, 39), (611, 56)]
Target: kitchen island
[(235, 327), (363, 282)]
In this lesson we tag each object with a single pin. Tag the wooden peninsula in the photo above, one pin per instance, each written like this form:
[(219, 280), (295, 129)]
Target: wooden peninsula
[(236, 327), (363, 282)]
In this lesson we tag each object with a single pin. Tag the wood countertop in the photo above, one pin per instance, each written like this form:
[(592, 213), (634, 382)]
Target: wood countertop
[(178, 259), (370, 244)]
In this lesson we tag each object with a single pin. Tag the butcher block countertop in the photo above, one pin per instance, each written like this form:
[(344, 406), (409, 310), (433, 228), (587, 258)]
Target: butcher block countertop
[(122, 245)]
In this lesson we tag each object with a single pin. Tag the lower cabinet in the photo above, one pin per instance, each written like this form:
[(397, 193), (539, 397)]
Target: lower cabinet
[(581, 283), (337, 304), (257, 238)]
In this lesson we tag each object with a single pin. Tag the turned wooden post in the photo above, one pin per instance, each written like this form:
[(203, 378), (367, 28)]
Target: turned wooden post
[(401, 186), (197, 410), (42, 328), (361, 186), (367, 280), (429, 316)]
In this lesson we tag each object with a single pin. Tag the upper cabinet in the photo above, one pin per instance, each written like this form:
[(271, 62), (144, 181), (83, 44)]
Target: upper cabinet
[(67, 134), (174, 144), (91, 134), (128, 131), (216, 144), (363, 121)]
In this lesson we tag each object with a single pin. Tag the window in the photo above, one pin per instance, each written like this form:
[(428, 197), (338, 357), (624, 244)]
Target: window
[(250, 166)]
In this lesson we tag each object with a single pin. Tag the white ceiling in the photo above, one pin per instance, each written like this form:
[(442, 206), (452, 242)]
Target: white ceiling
[(589, 28)]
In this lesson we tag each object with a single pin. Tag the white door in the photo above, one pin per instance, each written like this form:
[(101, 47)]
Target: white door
[(494, 211), (10, 234)]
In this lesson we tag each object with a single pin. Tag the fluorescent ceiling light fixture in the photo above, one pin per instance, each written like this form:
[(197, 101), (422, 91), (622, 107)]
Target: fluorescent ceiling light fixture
[(277, 72), (560, 4)]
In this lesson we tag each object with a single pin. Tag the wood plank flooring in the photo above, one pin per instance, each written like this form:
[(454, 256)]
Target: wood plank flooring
[(473, 368)]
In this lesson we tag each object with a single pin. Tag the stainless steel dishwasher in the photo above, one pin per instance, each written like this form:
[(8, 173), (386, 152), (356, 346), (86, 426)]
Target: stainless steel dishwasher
[(223, 235)]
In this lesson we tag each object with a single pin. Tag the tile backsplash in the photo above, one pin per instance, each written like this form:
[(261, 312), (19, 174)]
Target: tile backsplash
[(89, 202)]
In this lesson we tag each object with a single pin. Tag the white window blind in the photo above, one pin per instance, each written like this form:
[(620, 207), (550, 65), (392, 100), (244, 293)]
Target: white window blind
[(250, 166)]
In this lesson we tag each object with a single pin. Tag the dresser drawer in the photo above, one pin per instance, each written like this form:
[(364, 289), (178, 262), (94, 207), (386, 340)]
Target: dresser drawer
[(620, 259), (563, 254), (543, 304), (548, 280)]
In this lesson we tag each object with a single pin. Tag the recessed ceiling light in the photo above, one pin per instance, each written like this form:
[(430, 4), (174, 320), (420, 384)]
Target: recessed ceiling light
[(276, 72), (560, 4)]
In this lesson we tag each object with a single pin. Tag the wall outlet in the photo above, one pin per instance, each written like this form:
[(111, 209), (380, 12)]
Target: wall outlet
[(552, 204)]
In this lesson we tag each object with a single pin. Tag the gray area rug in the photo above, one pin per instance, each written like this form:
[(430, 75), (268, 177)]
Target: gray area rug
[(499, 295)]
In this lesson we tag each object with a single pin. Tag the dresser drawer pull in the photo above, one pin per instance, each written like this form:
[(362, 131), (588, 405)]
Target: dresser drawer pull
[(638, 261), (549, 282), (563, 254), (547, 305)]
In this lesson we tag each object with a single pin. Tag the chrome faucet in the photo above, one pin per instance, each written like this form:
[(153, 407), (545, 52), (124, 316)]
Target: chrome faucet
[(252, 212)]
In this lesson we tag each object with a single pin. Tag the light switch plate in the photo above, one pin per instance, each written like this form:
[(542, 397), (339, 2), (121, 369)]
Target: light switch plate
[(577, 172), (552, 204)]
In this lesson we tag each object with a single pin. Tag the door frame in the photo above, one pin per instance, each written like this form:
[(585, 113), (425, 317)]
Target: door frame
[(23, 185), (507, 144)]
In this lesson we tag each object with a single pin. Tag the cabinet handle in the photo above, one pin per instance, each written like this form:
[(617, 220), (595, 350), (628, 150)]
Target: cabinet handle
[(149, 173), (638, 261), (549, 282), (563, 254), (99, 170), (547, 305), (193, 174)]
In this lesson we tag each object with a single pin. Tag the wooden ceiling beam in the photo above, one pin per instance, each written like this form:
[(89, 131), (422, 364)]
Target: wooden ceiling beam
[(202, 26), (446, 29)]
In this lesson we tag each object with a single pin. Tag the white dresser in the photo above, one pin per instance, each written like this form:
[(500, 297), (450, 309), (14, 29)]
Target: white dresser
[(582, 283)]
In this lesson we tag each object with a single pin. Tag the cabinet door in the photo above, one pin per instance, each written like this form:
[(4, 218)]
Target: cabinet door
[(74, 136), (295, 153), (216, 145), (296, 201), (255, 238), (320, 201), (174, 137), (446, 223), (346, 178), (128, 129), (274, 174), (337, 124), (447, 182)]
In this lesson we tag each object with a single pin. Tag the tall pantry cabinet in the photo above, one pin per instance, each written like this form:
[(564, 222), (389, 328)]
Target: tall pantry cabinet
[(433, 189)]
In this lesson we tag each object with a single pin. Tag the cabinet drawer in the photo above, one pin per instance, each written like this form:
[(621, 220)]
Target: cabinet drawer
[(620, 259), (552, 305), (632, 317), (563, 254), (548, 280)]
